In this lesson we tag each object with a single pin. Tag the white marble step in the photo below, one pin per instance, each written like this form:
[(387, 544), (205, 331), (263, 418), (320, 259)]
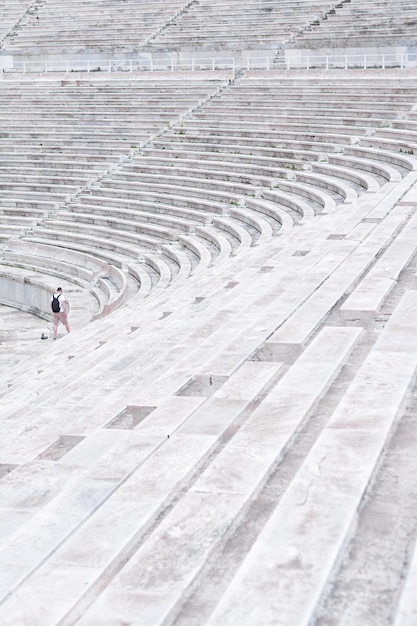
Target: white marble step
[(282, 578), (219, 497), (143, 493)]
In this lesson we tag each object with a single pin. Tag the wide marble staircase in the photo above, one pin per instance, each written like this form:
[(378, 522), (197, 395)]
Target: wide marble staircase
[(227, 436)]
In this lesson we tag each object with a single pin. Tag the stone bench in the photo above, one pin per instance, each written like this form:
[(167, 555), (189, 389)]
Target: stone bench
[(181, 258), (321, 101), (31, 199), (341, 190), (48, 264), (95, 156), (173, 216), (174, 180), (255, 150), (96, 151), (316, 197), (398, 161), (121, 255), (139, 188), (258, 175), (209, 128), (331, 144), (393, 154), (130, 219), (166, 227), (393, 140), (32, 166), (147, 237), (259, 165), (200, 201), (262, 205), (196, 247), (281, 127), (300, 142), (354, 169), (10, 230), (116, 224), (10, 175), (122, 252), (240, 235), (54, 191), (303, 208), (378, 168), (361, 179), (26, 205), (18, 220), (362, 117)]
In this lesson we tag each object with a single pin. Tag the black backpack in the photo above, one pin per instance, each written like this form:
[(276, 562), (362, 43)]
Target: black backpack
[(56, 307)]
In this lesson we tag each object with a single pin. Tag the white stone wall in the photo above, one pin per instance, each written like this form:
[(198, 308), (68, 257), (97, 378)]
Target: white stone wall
[(26, 295)]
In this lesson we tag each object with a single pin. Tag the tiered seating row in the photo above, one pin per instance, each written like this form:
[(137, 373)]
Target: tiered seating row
[(114, 26), (173, 24), (64, 135), (184, 401), (213, 24), (355, 25), (104, 287), (196, 194), (248, 135), (217, 24), (11, 13)]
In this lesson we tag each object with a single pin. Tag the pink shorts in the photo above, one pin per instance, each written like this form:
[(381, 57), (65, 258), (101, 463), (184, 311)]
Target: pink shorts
[(60, 317)]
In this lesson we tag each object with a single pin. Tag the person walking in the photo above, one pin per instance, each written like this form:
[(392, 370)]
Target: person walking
[(60, 310)]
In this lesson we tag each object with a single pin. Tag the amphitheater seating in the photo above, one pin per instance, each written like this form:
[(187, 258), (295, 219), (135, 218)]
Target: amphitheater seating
[(11, 14), (158, 25), (64, 148), (180, 31), (378, 23), (228, 25), (227, 435), (101, 29), (199, 385), (194, 191), (103, 287)]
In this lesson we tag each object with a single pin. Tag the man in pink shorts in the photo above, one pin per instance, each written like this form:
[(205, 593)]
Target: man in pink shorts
[(60, 309)]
